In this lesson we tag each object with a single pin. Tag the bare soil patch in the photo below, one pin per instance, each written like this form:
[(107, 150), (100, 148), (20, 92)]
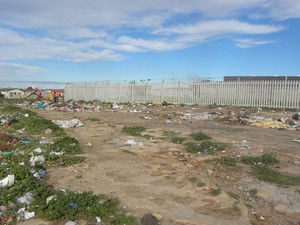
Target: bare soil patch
[(160, 177)]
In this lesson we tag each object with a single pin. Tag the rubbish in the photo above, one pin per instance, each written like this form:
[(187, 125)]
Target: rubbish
[(88, 144), (70, 222), (26, 198), (244, 145), (22, 213), (57, 153), (73, 205), (293, 123), (130, 142), (270, 124), (37, 159), (68, 123), (296, 116), (38, 150), (52, 197), (296, 141), (26, 115), (8, 181), (27, 142), (98, 220)]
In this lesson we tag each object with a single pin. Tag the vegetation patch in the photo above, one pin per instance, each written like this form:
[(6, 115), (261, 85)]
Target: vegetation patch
[(206, 146), (269, 175), (226, 161), (93, 119), (265, 159), (233, 195), (27, 161), (133, 131), (215, 192), (200, 136), (178, 140)]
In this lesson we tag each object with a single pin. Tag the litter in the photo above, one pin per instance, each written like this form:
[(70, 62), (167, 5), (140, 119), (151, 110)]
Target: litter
[(50, 198), (68, 123), (130, 142), (37, 159), (70, 222), (8, 181), (26, 198), (22, 213)]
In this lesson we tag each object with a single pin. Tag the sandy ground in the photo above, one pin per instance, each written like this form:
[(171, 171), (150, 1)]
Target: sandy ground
[(155, 175)]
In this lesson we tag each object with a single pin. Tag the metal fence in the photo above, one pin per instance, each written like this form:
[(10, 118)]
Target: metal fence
[(272, 94)]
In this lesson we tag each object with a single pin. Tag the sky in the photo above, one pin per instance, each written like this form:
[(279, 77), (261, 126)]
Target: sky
[(49, 43)]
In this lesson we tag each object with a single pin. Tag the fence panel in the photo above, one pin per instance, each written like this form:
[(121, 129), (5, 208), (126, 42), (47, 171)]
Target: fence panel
[(273, 94)]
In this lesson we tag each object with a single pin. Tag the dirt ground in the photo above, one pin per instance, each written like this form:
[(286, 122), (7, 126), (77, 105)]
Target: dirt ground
[(156, 176)]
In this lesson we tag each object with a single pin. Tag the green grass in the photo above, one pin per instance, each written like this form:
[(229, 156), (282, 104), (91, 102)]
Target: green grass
[(93, 119), (269, 175), (226, 161), (215, 192), (200, 136), (193, 179), (265, 159), (200, 184), (66, 144), (236, 209), (85, 205), (133, 131), (178, 140), (233, 195), (206, 146)]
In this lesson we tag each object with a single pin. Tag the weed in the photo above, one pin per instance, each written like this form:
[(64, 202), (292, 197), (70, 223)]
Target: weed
[(193, 179), (66, 144), (236, 209), (206, 146), (129, 152), (93, 119), (133, 131), (226, 161), (266, 174), (253, 193), (200, 136), (233, 195), (215, 192), (178, 140), (266, 159), (200, 184)]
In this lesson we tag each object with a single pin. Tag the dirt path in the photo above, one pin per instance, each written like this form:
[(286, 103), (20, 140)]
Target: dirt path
[(156, 176)]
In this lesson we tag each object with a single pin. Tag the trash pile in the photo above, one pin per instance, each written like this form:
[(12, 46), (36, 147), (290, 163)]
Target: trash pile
[(28, 147), (68, 123)]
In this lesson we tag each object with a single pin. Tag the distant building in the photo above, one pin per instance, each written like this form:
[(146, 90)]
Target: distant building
[(12, 93), (261, 78)]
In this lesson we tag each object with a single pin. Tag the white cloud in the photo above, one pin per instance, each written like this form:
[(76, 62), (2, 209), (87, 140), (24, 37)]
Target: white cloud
[(34, 84), (216, 27), (13, 69), (248, 43), (88, 30), (153, 45)]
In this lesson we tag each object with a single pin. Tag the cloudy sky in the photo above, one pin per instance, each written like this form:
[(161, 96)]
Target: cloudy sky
[(59, 41)]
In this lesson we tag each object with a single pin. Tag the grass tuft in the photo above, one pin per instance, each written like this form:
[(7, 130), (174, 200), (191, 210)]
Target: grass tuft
[(200, 136), (266, 174), (133, 131)]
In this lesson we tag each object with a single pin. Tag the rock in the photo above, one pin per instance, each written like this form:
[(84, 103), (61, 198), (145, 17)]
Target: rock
[(149, 219), (209, 172)]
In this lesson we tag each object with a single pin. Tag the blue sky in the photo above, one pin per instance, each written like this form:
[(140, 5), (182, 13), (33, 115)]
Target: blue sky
[(49, 43)]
